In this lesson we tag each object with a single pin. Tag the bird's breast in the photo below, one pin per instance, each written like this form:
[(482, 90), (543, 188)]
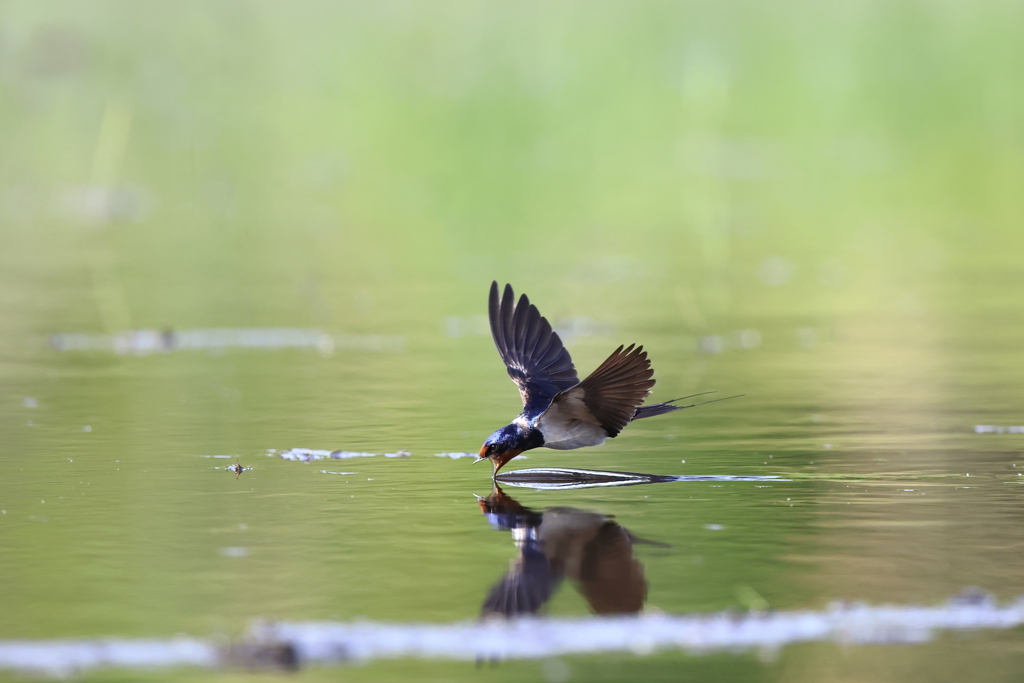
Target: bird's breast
[(567, 424)]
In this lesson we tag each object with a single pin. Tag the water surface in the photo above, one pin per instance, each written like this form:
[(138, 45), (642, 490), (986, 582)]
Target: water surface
[(231, 232)]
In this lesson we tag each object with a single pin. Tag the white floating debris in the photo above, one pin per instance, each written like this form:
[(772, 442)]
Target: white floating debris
[(714, 527), (994, 429), (63, 659), (304, 454), (326, 472), (341, 455), (234, 551), (456, 456), (532, 638), (535, 638), (310, 454), (327, 643), (147, 341), (29, 402)]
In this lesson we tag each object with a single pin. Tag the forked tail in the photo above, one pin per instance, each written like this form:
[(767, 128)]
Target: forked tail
[(668, 407)]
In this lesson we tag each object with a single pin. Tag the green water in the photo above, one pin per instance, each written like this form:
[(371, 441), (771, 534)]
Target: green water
[(815, 206)]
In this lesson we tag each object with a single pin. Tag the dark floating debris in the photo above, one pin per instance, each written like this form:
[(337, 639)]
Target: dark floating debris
[(237, 468), (262, 656), (555, 478)]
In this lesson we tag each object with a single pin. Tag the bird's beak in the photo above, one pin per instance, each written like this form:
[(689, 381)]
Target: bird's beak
[(482, 456)]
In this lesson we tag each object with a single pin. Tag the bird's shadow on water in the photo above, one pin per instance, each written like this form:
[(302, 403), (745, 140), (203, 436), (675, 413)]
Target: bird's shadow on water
[(557, 478), (587, 547)]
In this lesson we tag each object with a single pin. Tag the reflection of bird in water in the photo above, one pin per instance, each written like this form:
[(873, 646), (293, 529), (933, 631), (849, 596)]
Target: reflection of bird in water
[(559, 411), (586, 547)]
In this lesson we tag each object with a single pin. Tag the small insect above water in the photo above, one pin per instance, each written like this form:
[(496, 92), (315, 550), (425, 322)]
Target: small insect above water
[(237, 468)]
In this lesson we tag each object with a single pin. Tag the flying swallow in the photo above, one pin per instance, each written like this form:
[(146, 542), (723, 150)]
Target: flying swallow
[(560, 411)]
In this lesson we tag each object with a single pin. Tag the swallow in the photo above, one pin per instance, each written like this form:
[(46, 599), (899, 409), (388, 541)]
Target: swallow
[(587, 547), (559, 411)]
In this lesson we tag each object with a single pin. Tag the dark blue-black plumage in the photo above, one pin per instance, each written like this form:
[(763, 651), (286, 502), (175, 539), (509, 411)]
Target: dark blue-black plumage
[(560, 411), (532, 352)]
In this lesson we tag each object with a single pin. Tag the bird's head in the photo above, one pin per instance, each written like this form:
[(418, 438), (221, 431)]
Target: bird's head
[(502, 446)]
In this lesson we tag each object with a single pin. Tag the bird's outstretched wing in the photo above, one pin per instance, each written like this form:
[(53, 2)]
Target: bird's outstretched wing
[(611, 579), (536, 360), (524, 589), (617, 387)]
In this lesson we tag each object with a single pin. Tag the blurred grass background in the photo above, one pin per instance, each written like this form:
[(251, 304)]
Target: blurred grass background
[(363, 166)]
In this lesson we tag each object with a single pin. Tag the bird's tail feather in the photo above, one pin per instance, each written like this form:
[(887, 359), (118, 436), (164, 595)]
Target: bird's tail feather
[(668, 407)]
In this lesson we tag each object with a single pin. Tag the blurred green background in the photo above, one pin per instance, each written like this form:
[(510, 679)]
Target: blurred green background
[(816, 205), (241, 163)]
